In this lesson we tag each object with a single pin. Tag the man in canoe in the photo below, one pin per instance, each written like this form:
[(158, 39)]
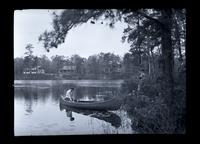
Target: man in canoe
[(70, 94)]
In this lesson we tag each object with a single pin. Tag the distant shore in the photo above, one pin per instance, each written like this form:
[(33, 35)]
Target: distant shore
[(25, 83)]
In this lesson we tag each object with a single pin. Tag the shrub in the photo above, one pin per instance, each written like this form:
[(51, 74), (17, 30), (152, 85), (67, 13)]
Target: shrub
[(149, 112)]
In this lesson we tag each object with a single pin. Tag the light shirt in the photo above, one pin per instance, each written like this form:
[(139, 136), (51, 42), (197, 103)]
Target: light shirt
[(69, 94)]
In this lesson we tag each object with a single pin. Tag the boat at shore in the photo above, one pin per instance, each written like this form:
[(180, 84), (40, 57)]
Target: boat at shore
[(111, 104)]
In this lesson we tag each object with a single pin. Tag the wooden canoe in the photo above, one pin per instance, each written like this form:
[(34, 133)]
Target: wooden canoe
[(111, 104)]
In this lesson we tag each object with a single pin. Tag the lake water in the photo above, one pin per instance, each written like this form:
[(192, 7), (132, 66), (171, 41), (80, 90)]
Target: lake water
[(37, 110)]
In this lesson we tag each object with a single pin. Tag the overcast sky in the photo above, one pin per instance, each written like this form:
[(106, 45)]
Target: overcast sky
[(84, 40)]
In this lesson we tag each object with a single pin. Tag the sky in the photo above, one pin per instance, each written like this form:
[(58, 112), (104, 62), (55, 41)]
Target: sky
[(84, 40)]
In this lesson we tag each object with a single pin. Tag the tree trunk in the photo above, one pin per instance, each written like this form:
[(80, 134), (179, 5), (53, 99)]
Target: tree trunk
[(178, 40), (153, 64), (149, 62), (149, 65), (167, 84), (167, 56), (139, 48)]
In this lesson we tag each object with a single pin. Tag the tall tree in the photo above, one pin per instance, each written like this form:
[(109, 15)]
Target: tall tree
[(145, 26), (79, 63), (35, 61), (93, 67), (45, 63), (28, 59), (18, 66), (29, 48), (57, 62)]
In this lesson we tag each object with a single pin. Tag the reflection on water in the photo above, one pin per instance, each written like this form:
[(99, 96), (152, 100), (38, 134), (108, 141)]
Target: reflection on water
[(38, 112), (106, 116)]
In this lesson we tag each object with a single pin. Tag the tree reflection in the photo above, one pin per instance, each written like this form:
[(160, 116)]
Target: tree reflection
[(28, 105), (57, 91), (28, 99), (31, 95)]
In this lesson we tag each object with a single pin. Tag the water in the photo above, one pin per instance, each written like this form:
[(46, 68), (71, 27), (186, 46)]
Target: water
[(38, 111)]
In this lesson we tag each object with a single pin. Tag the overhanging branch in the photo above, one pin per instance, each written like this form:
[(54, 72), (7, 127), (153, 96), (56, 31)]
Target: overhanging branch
[(148, 17)]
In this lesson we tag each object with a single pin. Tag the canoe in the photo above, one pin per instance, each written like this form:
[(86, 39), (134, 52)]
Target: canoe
[(106, 116), (111, 104)]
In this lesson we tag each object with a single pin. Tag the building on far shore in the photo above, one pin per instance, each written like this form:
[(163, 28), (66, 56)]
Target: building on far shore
[(67, 71), (34, 70)]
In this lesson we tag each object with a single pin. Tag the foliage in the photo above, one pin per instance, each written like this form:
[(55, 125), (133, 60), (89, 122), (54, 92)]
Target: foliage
[(57, 63), (157, 38), (100, 66), (29, 48), (29, 55), (18, 66), (149, 112)]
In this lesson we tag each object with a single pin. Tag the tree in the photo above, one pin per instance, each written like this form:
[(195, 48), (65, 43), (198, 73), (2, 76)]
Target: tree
[(29, 48), (28, 59), (103, 65), (130, 65), (151, 27), (154, 28), (36, 61), (144, 25), (179, 32), (57, 63), (79, 63), (45, 63), (18, 66), (93, 67), (110, 64)]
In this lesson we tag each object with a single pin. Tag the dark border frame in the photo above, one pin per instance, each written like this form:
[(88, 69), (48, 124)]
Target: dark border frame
[(7, 69)]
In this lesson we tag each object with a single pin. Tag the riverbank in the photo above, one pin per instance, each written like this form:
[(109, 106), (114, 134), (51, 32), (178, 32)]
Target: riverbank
[(150, 114)]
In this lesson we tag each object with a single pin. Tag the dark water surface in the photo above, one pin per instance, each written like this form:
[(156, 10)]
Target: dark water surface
[(38, 111)]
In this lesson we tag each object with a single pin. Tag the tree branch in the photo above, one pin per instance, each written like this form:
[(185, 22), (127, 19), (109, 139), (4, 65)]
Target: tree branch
[(148, 17)]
